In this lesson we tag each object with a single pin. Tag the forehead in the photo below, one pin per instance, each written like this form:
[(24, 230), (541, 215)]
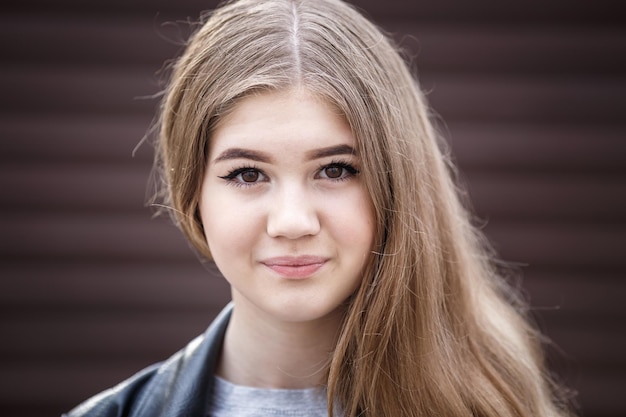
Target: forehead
[(287, 118)]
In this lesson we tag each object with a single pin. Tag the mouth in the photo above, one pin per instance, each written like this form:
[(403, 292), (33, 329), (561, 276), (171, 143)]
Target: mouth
[(297, 267)]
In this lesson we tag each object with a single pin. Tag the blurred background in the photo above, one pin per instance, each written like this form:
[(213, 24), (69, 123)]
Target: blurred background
[(531, 96)]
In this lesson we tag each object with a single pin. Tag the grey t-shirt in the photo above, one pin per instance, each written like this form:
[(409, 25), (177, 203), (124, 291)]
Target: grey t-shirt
[(230, 400)]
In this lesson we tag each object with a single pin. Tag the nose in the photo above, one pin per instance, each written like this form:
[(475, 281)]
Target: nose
[(293, 214)]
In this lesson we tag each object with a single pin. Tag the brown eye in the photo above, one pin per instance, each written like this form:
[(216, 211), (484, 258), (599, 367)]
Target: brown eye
[(250, 176), (333, 171), (245, 176), (337, 171)]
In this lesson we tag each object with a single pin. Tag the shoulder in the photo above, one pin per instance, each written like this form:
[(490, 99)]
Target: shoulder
[(114, 401), (176, 387)]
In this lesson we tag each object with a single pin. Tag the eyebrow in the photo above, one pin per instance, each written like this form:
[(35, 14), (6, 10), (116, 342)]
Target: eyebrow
[(331, 151), (241, 153)]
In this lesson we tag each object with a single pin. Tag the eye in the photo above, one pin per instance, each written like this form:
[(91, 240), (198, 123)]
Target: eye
[(249, 176), (244, 176), (333, 172), (337, 171)]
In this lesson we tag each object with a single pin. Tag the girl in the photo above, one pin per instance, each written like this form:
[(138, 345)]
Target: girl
[(296, 152)]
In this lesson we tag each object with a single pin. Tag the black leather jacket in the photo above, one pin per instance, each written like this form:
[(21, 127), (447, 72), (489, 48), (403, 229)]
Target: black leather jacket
[(178, 387)]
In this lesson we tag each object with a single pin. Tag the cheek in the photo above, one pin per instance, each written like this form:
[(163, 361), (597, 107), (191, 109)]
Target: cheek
[(227, 229), (353, 219)]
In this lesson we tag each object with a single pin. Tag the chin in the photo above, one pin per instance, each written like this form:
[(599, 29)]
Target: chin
[(305, 311)]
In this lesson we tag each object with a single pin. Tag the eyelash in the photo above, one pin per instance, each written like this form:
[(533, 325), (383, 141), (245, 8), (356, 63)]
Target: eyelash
[(350, 169), (231, 177)]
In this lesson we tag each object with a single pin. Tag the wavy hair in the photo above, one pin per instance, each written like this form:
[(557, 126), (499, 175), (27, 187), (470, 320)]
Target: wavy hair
[(433, 329)]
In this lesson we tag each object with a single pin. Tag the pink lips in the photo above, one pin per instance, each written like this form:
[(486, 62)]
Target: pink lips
[(295, 267)]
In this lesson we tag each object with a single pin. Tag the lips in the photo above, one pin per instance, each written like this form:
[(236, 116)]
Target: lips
[(297, 267)]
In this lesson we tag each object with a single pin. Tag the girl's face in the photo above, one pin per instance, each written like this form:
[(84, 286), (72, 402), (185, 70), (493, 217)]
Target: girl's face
[(286, 215)]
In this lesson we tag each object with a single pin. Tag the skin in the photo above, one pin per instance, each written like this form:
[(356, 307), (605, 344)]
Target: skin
[(290, 225)]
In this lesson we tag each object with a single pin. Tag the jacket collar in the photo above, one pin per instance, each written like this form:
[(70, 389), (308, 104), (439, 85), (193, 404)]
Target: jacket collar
[(181, 385)]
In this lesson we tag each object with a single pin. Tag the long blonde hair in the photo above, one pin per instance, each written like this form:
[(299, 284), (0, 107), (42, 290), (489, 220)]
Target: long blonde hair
[(432, 330)]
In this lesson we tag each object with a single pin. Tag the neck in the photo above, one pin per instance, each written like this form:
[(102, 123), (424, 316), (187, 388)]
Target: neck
[(260, 351)]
